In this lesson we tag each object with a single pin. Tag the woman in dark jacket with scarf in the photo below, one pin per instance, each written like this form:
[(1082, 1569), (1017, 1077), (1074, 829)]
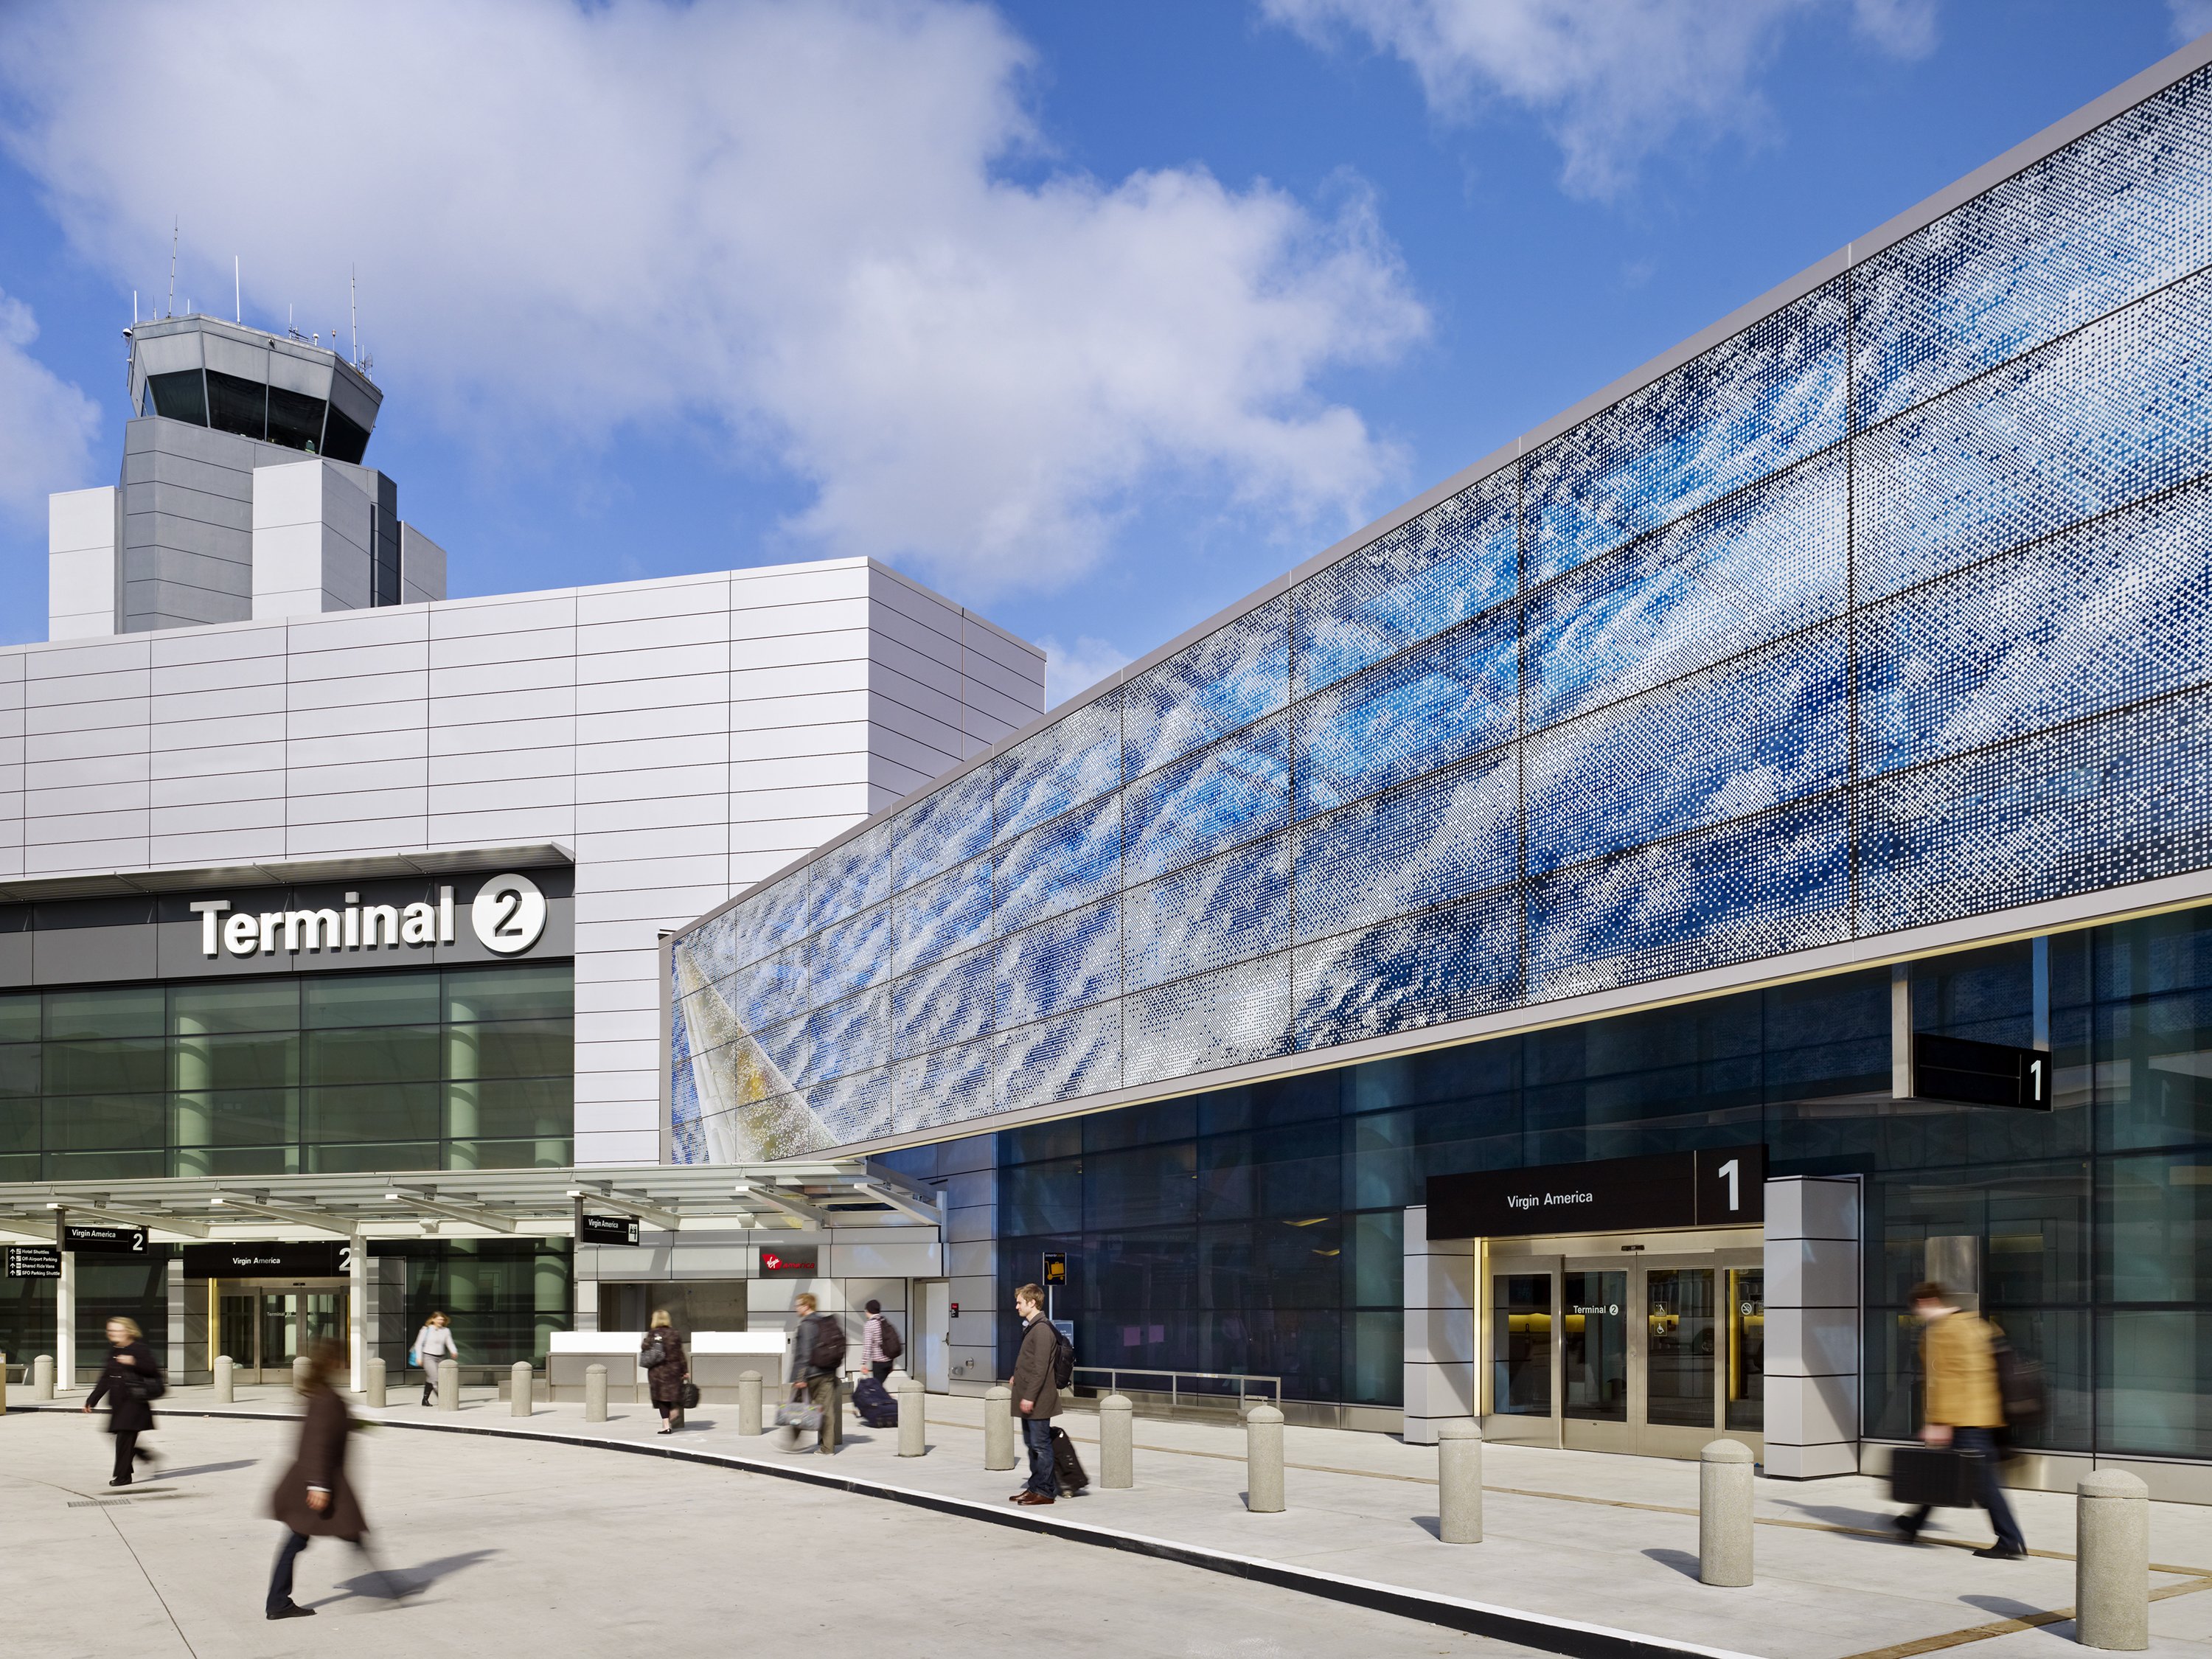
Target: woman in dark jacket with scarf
[(313, 1498), (123, 1384), (664, 1379)]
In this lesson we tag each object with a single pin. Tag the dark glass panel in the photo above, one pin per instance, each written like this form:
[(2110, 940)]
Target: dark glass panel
[(1043, 1198), (1147, 1188), (259, 1060), (237, 1117), (178, 397), (374, 1053), (1593, 1347), (343, 440), (1299, 1262), (550, 1153), (1139, 1126), (107, 1166), (1040, 1141), (1520, 1344), (370, 999), (385, 1112), (536, 1107), (19, 1017), (262, 1005), (125, 1010), (1376, 1370), (339, 1159), (536, 1047), (1745, 1317), (237, 405), (1375, 1275), (252, 1160), (2152, 1367), (19, 1072), (295, 421), (132, 1066), (19, 1126), (473, 993), (1679, 1361), (108, 1122)]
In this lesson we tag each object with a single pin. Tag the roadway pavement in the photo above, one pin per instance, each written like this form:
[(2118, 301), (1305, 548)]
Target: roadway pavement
[(1571, 1538)]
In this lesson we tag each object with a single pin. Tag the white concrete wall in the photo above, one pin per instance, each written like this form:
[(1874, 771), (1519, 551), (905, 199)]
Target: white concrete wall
[(312, 528), (1812, 1325), (81, 581), (684, 736), (1440, 1329)]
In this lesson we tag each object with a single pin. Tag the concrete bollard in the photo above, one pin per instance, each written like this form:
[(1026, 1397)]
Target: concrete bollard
[(300, 1372), (1725, 1514), (913, 1420), (3, 1385), (226, 1380), (595, 1394), (42, 1377), (1459, 1482), (374, 1394), (518, 1386), (1263, 1461), (749, 1403), (998, 1427), (1117, 1443), (449, 1385), (2111, 1565)]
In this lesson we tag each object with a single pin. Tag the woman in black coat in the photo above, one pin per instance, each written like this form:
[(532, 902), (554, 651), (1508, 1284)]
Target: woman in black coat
[(314, 1499), (124, 1382), (664, 1377)]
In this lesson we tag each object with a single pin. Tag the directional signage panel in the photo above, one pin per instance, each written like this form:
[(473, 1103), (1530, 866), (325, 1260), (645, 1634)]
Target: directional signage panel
[(91, 1238), (33, 1261), (608, 1230), (317, 1259), (1980, 1073), (1714, 1186)]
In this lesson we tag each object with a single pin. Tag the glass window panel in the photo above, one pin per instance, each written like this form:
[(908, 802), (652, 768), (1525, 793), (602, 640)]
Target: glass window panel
[(386, 1053), (20, 1070), (1226, 680), (1148, 1187), (1769, 396), (1445, 837), (1076, 759), (178, 397), (106, 1166), (122, 1123), (138, 1065), (1520, 1344), (19, 1126), (253, 1004), (1679, 1361), (535, 1108), (344, 439), (236, 1117), (1745, 1314), (1300, 1261), (1227, 909), (19, 1017), (237, 405), (1593, 1347), (369, 999), (245, 1161), (259, 1060), (332, 1157), (1376, 1376), (520, 1048), (855, 1107), (1059, 964), (1233, 792), (295, 421), (1440, 568), (2159, 1229), (2154, 1363), (509, 993), (550, 1154), (1425, 710), (386, 1112), (125, 1010), (1060, 866)]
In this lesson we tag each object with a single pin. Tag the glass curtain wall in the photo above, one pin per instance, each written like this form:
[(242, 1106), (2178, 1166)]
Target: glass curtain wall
[(455, 1068)]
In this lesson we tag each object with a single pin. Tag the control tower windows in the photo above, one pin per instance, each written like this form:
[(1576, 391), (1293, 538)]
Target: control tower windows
[(296, 421), (180, 397), (342, 441), (237, 405)]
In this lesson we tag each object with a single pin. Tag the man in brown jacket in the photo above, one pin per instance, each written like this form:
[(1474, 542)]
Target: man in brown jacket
[(1963, 1407), (1036, 1398)]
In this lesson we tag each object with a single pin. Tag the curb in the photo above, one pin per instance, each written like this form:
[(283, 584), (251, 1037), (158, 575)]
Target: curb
[(1569, 1636)]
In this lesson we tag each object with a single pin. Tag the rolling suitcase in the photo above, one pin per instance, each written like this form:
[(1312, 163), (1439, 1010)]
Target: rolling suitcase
[(873, 1401), (1067, 1470), (1942, 1477)]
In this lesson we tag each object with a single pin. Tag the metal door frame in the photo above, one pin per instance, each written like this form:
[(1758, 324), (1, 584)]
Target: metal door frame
[(257, 1368)]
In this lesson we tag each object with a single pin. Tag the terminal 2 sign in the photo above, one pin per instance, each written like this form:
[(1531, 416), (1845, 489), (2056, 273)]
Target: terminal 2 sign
[(1714, 1186), (508, 917)]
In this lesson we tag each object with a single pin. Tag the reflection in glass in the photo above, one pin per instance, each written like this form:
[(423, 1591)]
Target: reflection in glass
[(1678, 1371), (1521, 1344), (1747, 1351), (1593, 1347)]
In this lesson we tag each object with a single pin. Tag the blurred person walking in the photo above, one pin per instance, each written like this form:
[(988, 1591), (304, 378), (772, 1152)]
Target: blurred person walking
[(880, 1345), (434, 1342), (817, 1350), (130, 1382), (1965, 1409), (314, 1499), (666, 1370)]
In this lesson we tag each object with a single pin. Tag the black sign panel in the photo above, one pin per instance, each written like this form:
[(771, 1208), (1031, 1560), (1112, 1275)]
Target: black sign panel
[(33, 1261), (1979, 1073), (1717, 1186), (608, 1230), (331, 1260), (1055, 1266), (94, 1239)]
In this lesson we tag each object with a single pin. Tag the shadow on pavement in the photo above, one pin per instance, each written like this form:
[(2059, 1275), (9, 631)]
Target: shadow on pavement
[(2004, 1607), (165, 1473), (1431, 1524), (1881, 1520), (1681, 1560), (389, 1584)]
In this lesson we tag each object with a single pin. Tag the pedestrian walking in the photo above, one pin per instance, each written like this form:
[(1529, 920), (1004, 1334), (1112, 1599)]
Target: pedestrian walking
[(433, 1343), (130, 1382), (1036, 1396), (1964, 1408), (314, 1499), (817, 1350), (880, 1345), (666, 1370)]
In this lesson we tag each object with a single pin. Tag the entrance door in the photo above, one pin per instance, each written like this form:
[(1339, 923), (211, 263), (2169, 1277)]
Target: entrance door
[(262, 1331), (1652, 1354), (933, 1333)]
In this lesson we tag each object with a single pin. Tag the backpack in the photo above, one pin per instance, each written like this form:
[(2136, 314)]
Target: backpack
[(1063, 1359), (887, 1339), (829, 1349)]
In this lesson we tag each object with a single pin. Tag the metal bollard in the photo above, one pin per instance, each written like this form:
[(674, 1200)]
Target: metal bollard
[(1263, 1461), (42, 1377), (226, 1380), (914, 1422), (998, 1427), (1459, 1482), (518, 1386), (1725, 1514), (749, 1403), (1117, 1443), (595, 1394), (2111, 1563), (300, 1372), (449, 1385), (375, 1393)]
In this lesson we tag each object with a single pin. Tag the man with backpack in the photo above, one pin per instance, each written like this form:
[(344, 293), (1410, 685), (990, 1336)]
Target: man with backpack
[(1964, 1408), (1036, 1393), (818, 1349), (880, 1345)]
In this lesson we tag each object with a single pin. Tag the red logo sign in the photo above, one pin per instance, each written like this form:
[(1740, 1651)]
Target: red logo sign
[(773, 1262)]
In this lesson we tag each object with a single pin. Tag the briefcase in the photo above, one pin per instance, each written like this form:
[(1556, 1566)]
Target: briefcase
[(1942, 1477)]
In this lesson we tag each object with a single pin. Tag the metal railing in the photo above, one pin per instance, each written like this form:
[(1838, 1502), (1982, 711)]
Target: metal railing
[(1114, 1374)]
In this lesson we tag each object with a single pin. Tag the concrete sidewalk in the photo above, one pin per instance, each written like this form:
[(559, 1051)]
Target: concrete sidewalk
[(1574, 1540)]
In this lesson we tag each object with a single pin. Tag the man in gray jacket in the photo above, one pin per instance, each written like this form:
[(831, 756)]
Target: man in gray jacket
[(1036, 1397), (817, 1350)]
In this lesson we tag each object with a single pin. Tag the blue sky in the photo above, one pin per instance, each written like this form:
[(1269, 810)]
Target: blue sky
[(1093, 316)]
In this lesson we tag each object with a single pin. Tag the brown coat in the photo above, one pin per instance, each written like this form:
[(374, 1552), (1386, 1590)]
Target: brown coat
[(666, 1380), (1033, 1369), (321, 1462), (1959, 1363)]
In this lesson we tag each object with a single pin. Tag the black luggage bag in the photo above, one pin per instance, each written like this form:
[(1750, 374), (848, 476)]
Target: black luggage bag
[(1067, 1470), (873, 1401), (1942, 1477)]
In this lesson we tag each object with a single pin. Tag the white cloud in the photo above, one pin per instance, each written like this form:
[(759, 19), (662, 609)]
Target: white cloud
[(1614, 80), (1069, 669), (46, 425), (2190, 18), (826, 233)]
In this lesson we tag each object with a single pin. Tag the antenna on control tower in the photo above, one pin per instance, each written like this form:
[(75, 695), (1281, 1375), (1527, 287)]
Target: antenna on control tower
[(353, 311), (172, 268)]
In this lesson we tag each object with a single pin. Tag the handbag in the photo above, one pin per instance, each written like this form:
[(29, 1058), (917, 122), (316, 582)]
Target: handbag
[(688, 1396)]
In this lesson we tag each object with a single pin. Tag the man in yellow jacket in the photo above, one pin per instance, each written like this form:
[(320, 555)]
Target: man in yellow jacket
[(1963, 1407)]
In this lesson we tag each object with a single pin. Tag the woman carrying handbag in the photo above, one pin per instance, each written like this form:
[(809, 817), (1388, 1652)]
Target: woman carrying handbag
[(667, 1377), (130, 1382)]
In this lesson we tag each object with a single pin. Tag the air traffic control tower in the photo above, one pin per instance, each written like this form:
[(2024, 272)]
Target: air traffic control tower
[(244, 493)]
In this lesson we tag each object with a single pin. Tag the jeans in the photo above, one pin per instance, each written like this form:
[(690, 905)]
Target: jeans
[(879, 1369), (1037, 1435), (280, 1582), (1984, 1441)]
